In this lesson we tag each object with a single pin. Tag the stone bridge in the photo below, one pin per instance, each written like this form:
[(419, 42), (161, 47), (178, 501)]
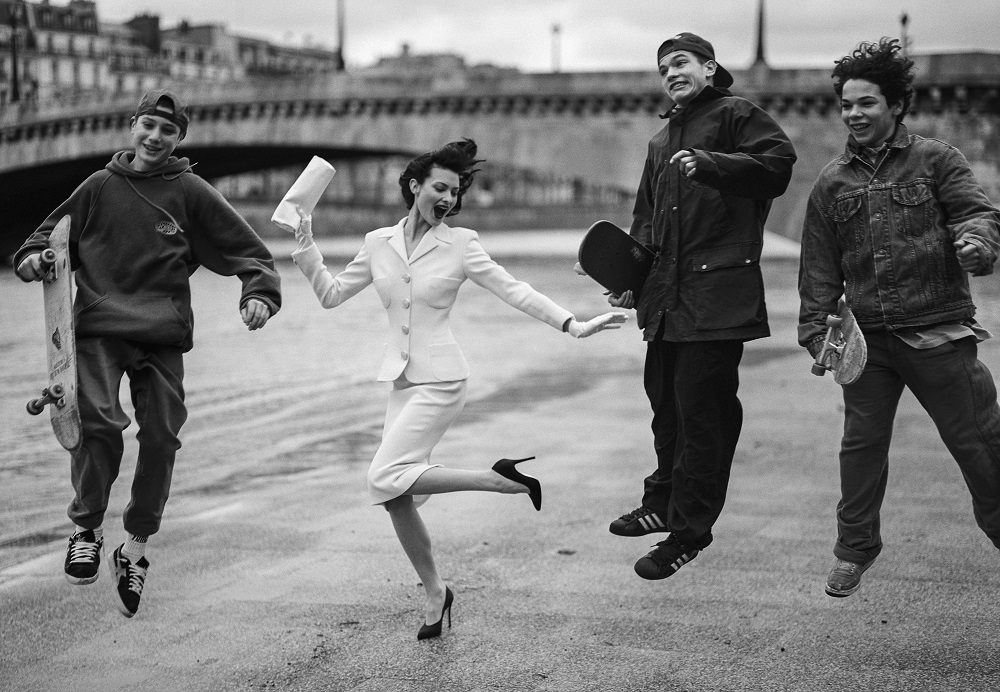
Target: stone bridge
[(588, 126)]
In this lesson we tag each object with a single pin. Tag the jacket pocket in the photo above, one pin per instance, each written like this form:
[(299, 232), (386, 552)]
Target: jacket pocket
[(913, 208), (151, 317), (440, 291), (850, 224), (447, 362), (727, 289)]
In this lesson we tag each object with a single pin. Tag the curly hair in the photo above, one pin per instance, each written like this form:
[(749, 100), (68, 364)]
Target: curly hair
[(882, 64), (459, 157)]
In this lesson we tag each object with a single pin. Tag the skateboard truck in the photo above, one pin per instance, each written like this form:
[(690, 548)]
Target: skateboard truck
[(47, 261), (831, 349), (51, 395)]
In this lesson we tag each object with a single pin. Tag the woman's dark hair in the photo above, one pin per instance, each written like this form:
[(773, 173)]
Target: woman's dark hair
[(883, 64), (459, 157)]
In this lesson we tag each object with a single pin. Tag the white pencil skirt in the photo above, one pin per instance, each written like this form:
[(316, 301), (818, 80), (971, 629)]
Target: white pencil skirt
[(416, 418)]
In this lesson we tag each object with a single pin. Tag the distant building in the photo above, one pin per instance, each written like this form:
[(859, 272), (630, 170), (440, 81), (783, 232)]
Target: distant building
[(57, 46), (64, 52)]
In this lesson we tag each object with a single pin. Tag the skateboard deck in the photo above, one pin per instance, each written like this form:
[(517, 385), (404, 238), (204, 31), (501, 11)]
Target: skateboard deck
[(61, 393), (614, 259), (844, 349)]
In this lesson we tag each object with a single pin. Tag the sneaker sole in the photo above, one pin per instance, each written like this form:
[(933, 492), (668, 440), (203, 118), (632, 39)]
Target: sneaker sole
[(83, 581), (636, 534)]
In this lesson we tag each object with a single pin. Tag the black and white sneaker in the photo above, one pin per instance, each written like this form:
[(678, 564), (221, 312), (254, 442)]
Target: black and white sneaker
[(83, 557), (638, 522), (666, 558), (129, 578)]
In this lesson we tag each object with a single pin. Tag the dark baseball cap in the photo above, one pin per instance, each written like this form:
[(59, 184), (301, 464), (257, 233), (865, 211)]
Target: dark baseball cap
[(699, 46), (165, 104)]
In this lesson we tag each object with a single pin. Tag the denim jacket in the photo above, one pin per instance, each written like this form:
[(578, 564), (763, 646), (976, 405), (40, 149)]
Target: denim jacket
[(882, 235)]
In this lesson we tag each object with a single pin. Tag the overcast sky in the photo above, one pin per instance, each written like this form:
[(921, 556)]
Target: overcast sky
[(594, 34)]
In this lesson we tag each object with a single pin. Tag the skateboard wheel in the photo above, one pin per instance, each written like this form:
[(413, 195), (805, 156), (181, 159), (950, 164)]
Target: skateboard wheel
[(36, 406), (48, 256), (818, 369), (56, 391)]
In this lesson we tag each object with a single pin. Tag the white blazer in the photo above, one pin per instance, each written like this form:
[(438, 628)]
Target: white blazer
[(418, 294)]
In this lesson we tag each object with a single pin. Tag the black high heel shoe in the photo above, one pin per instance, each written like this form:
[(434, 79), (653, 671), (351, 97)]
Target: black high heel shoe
[(428, 631), (506, 468)]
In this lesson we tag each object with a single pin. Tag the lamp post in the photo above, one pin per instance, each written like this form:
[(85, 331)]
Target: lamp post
[(16, 9)]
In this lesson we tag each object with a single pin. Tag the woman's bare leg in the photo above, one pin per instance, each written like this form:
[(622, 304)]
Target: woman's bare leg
[(439, 479), (416, 542)]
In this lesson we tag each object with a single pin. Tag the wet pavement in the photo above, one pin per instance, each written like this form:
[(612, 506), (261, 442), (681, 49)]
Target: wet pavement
[(271, 570)]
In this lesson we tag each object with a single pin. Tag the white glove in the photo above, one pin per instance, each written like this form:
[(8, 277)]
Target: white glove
[(304, 232), (609, 320), (305, 229)]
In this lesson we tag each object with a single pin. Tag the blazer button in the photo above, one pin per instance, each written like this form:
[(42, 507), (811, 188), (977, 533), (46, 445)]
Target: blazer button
[(404, 355), (406, 278), (406, 302), (406, 330)]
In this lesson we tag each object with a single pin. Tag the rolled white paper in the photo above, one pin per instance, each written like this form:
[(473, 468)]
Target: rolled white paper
[(303, 194)]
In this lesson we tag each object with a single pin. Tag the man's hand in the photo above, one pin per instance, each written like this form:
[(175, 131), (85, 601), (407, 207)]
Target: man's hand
[(968, 256), (255, 314), (687, 161), (625, 300), (30, 268)]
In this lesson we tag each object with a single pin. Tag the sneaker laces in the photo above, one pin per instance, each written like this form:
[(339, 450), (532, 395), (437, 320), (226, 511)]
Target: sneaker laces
[(136, 577), (677, 550), (636, 513), (844, 568), (81, 550)]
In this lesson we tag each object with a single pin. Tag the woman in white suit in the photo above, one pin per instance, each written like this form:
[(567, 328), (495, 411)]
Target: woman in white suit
[(417, 267)]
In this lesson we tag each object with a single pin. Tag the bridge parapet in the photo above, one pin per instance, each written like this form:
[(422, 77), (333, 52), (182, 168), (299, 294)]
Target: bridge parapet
[(967, 82)]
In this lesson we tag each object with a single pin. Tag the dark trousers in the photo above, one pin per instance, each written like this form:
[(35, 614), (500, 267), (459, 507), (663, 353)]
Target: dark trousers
[(697, 419), (155, 376), (959, 394)]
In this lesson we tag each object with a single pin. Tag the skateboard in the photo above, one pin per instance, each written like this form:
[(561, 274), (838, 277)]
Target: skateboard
[(844, 349), (614, 259), (60, 395)]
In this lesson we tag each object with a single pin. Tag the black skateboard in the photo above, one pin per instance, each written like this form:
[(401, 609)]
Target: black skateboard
[(615, 259)]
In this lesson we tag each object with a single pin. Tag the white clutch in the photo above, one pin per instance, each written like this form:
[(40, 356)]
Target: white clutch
[(303, 194)]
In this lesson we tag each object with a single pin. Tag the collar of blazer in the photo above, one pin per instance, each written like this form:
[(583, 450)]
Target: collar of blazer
[(442, 233)]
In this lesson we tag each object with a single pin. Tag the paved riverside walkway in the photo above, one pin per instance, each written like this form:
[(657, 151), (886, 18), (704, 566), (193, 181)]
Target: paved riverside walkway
[(287, 580)]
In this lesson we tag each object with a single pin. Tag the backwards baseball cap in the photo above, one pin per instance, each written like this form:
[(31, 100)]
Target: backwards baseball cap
[(165, 104), (699, 46)]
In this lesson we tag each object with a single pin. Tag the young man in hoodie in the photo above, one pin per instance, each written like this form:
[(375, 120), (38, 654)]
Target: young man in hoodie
[(139, 228), (706, 189)]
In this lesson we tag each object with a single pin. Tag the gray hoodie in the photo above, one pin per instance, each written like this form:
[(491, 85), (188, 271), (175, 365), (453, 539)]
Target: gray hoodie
[(136, 238)]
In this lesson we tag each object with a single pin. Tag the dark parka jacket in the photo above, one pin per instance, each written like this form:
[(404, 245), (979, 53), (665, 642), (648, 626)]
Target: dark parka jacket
[(707, 231)]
